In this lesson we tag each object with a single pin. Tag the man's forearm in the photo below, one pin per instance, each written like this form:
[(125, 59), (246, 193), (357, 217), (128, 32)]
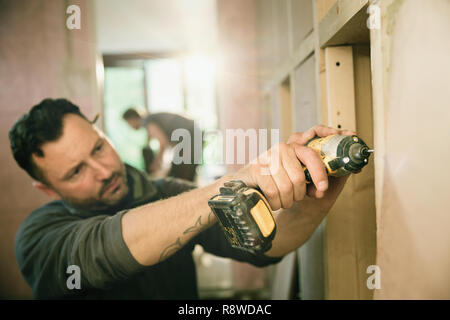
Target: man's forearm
[(296, 224), (155, 231)]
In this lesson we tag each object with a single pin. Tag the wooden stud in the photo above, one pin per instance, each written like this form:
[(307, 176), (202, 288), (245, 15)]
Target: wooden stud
[(340, 87), (350, 240)]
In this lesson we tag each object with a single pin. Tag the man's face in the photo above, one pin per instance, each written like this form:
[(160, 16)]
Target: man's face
[(82, 167)]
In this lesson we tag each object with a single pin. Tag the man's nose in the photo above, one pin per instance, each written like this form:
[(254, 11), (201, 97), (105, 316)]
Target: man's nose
[(101, 171)]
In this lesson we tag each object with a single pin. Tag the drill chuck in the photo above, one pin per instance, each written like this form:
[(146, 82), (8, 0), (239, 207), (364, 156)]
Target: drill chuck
[(340, 154)]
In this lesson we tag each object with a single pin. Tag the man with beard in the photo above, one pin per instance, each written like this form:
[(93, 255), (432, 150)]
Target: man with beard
[(132, 237)]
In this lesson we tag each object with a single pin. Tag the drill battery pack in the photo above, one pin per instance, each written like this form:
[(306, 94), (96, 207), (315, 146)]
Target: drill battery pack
[(245, 216)]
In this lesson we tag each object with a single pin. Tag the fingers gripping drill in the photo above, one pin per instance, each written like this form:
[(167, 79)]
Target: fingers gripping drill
[(244, 213)]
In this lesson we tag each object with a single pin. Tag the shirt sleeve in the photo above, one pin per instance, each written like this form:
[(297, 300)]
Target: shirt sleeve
[(49, 242), (170, 186), (213, 239)]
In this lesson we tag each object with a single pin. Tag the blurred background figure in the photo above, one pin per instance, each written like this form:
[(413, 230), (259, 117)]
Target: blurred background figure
[(160, 126)]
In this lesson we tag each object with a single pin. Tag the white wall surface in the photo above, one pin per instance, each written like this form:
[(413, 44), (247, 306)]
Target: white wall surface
[(414, 216)]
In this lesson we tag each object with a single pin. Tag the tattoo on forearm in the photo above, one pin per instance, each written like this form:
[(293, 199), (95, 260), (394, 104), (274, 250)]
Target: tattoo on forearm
[(195, 227), (174, 247), (210, 217)]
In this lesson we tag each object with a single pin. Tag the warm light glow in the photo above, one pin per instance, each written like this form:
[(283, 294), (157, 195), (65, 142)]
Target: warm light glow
[(200, 68), (200, 79)]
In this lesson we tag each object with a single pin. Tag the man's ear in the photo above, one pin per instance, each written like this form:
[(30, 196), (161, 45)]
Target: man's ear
[(46, 189)]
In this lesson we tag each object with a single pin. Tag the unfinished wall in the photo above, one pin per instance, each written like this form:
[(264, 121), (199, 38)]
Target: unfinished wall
[(412, 122), (40, 58), (350, 238), (399, 104), (335, 91)]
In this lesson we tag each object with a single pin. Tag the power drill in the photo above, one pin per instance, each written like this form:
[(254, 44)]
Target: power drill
[(245, 214)]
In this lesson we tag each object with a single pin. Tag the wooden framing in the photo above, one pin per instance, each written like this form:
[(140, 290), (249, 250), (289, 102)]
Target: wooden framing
[(381, 57), (350, 237), (323, 7), (343, 98), (345, 23), (340, 88)]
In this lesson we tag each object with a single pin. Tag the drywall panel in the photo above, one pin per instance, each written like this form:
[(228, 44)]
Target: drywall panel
[(301, 20), (412, 122)]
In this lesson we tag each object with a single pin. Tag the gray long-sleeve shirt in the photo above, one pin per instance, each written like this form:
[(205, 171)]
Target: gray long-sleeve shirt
[(56, 236)]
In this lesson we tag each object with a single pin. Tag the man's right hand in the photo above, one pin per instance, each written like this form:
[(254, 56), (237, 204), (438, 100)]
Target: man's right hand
[(279, 173)]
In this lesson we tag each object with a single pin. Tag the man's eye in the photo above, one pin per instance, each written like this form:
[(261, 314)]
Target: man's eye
[(99, 147), (77, 171)]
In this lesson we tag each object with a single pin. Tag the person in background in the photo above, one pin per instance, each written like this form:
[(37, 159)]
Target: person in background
[(161, 126), (133, 119)]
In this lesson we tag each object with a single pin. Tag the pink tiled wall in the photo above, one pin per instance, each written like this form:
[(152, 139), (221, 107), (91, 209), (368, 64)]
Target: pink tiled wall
[(39, 57)]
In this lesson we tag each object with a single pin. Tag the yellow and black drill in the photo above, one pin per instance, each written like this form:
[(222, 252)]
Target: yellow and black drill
[(244, 213)]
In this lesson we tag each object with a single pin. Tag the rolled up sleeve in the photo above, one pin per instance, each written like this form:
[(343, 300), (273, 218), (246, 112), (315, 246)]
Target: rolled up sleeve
[(47, 244)]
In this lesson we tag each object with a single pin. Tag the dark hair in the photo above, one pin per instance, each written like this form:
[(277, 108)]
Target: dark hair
[(43, 123), (131, 113)]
